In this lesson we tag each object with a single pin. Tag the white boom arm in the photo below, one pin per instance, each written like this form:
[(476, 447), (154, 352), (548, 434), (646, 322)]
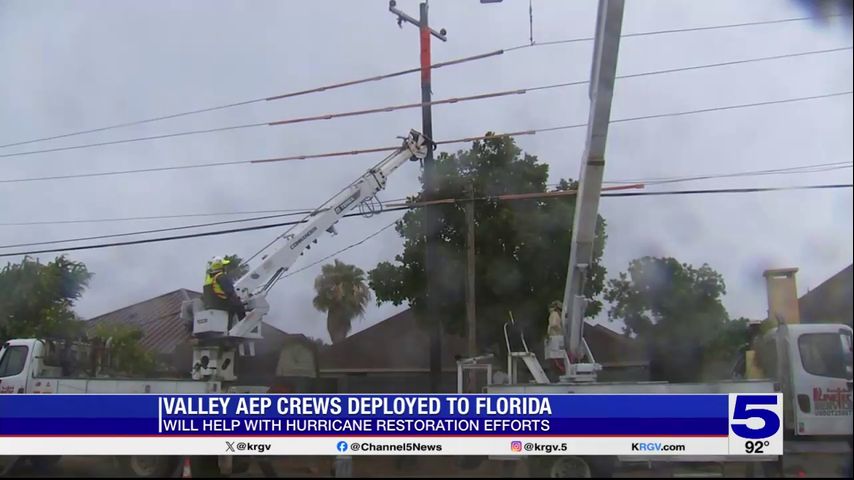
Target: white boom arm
[(606, 48), (279, 256)]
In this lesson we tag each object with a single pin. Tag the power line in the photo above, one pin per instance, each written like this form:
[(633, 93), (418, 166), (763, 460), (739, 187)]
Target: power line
[(290, 211), (176, 237), (618, 120), (327, 116), (679, 30), (338, 252), (394, 74), (386, 109), (155, 230), (736, 62), (394, 209), (150, 217), (727, 190), (298, 93), (732, 107), (800, 169), (377, 149)]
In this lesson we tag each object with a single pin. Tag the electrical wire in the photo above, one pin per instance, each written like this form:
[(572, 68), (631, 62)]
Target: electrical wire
[(814, 168), (330, 116), (291, 211), (338, 252), (154, 230), (393, 209), (457, 61), (800, 169), (298, 93), (176, 237), (382, 149), (680, 30), (290, 121)]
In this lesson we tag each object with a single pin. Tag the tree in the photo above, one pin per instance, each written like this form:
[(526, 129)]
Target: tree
[(126, 356), (676, 310), (343, 294), (522, 246), (36, 299)]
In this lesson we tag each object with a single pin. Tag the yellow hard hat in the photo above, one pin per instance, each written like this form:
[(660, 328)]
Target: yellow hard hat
[(218, 263)]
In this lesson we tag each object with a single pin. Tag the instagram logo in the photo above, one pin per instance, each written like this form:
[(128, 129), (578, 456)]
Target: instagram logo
[(516, 446)]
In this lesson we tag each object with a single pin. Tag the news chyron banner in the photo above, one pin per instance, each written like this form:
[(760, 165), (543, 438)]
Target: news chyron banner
[(57, 424)]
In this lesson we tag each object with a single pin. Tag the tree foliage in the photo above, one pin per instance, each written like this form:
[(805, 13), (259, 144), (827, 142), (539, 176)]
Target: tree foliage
[(676, 310), (126, 357), (341, 292), (36, 299), (522, 247)]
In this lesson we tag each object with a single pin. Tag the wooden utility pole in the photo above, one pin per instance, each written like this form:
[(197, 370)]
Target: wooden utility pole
[(471, 313), (431, 224), (471, 322)]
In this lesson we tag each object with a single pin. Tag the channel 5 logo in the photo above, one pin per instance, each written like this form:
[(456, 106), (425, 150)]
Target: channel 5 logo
[(516, 446), (755, 416)]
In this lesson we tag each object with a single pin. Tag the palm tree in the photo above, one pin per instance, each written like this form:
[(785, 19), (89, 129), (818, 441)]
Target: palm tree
[(343, 294)]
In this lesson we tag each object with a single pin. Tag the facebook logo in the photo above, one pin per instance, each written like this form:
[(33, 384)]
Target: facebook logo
[(342, 446)]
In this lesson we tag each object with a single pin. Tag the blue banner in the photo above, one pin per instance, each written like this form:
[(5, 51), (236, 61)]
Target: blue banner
[(364, 415)]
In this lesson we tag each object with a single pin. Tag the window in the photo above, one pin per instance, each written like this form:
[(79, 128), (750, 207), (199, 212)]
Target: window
[(824, 354), (13, 361)]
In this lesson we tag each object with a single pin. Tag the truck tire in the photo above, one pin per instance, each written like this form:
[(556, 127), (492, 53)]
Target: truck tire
[(205, 466), (771, 469), (147, 466), (8, 464), (571, 467), (470, 462), (240, 465), (44, 464)]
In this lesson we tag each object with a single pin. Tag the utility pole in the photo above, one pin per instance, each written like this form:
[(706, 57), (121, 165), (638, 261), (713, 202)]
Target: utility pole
[(431, 225), (471, 316), (471, 322)]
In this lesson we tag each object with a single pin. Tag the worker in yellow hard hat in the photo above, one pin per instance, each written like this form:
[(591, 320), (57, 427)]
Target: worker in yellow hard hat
[(218, 291)]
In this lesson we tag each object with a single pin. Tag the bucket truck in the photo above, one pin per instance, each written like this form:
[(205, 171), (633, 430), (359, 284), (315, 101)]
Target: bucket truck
[(217, 340), (565, 342), (37, 365)]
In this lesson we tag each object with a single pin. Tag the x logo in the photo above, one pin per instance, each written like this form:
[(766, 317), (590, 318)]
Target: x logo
[(229, 446)]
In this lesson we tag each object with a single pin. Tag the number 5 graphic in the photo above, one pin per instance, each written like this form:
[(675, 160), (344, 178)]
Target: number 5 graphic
[(742, 412)]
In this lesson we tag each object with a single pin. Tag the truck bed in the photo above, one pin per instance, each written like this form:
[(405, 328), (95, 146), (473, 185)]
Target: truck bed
[(129, 385), (728, 386)]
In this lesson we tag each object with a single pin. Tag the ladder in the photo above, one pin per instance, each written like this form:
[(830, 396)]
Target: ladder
[(528, 357)]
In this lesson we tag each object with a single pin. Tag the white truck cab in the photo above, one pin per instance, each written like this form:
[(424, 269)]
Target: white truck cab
[(35, 366), (813, 362)]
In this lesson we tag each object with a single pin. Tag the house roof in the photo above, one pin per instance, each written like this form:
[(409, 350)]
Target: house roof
[(830, 302), (157, 318), (612, 348), (163, 331), (397, 343), (400, 344)]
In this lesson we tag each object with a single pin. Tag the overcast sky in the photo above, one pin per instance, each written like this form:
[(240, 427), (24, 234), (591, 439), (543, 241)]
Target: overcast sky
[(85, 64)]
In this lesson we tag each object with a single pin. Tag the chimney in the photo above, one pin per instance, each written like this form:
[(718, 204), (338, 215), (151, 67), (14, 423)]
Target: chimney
[(782, 295)]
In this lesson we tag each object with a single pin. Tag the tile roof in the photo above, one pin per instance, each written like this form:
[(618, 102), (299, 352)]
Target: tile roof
[(163, 331), (157, 318)]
